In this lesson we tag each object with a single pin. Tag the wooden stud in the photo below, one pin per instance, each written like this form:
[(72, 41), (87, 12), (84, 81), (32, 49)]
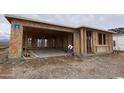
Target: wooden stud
[(16, 41), (82, 40), (76, 40)]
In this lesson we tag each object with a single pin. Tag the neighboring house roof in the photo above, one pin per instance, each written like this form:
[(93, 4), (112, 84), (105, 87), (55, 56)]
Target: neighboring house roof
[(118, 30), (35, 20)]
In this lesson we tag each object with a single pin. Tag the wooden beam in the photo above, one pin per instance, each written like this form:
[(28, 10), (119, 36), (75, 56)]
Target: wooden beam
[(94, 41), (82, 40), (85, 40), (111, 42), (16, 41), (26, 23), (76, 40)]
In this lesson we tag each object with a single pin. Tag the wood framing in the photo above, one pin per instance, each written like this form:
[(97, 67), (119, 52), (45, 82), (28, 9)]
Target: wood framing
[(16, 41), (33, 34), (76, 37)]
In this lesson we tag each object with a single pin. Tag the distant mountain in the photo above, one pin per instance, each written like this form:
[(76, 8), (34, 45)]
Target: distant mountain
[(4, 42), (4, 38)]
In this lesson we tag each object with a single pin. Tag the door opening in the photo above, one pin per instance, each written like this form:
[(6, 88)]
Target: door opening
[(89, 42)]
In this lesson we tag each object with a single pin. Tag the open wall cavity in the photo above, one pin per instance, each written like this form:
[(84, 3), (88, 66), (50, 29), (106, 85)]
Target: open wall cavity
[(34, 38)]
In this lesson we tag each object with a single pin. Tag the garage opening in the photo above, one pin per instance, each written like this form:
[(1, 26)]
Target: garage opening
[(46, 43)]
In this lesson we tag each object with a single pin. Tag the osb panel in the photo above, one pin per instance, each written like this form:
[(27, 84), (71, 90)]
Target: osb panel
[(15, 48), (95, 36), (82, 40), (44, 26), (103, 49), (76, 37), (111, 42)]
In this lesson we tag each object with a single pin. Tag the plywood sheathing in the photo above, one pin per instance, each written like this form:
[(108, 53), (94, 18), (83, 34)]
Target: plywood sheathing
[(95, 41), (40, 31), (107, 48), (76, 42), (16, 42), (110, 42), (45, 26), (83, 41)]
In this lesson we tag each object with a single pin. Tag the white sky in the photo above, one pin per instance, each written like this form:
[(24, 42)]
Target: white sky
[(102, 21)]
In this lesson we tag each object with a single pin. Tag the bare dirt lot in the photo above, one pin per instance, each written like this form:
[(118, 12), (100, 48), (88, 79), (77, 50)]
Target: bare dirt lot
[(95, 67)]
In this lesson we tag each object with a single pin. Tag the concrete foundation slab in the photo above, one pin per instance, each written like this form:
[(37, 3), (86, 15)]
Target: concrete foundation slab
[(42, 53)]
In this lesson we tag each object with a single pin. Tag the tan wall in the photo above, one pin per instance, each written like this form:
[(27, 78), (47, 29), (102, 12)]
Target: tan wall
[(16, 41), (76, 43), (95, 42), (108, 48), (96, 48), (45, 26), (111, 43), (79, 39), (83, 41)]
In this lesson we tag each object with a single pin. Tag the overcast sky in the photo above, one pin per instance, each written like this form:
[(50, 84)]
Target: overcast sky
[(102, 21)]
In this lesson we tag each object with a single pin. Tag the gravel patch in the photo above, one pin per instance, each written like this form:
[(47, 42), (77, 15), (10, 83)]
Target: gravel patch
[(95, 67)]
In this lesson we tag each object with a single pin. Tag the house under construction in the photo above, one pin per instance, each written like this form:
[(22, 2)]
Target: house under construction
[(43, 37)]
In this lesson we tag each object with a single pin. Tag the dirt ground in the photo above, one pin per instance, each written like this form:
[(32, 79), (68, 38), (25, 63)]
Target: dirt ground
[(95, 67)]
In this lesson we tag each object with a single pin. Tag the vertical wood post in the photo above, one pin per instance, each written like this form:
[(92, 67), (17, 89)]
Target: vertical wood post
[(16, 40), (94, 41), (82, 40), (76, 41), (111, 43), (85, 41)]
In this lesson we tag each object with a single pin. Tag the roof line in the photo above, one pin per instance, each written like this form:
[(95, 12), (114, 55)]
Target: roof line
[(50, 23), (36, 20)]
